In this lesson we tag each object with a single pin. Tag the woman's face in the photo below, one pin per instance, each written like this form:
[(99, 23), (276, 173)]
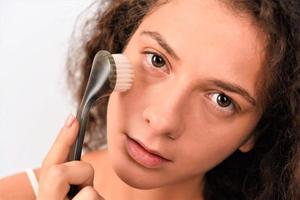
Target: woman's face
[(195, 94)]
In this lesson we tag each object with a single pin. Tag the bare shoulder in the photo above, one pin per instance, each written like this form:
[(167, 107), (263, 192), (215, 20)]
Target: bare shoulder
[(17, 186)]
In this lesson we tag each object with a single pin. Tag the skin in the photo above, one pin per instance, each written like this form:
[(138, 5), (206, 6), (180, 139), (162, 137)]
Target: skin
[(172, 108)]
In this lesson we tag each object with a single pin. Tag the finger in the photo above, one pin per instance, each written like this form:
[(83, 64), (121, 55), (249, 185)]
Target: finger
[(61, 147), (74, 172), (88, 192), (56, 180)]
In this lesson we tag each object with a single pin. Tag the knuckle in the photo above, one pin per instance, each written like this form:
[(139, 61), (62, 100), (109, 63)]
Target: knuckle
[(54, 175), (87, 166), (56, 171)]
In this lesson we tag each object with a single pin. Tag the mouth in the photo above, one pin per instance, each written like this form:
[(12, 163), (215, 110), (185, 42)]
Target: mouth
[(144, 155)]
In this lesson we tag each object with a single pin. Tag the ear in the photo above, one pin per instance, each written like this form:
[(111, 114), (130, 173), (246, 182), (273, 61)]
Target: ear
[(248, 144)]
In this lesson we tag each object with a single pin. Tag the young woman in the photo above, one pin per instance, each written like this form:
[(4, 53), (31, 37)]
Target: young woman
[(213, 113)]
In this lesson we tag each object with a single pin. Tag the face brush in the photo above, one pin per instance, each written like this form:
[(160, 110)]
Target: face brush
[(110, 72)]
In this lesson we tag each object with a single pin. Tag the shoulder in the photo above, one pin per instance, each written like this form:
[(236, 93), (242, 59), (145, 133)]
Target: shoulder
[(16, 187)]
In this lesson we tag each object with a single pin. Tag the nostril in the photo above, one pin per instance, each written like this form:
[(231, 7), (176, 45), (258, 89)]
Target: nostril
[(170, 136), (147, 121), (162, 121), (148, 116)]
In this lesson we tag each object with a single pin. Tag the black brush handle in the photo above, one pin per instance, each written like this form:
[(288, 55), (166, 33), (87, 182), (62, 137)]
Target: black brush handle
[(101, 83), (76, 149)]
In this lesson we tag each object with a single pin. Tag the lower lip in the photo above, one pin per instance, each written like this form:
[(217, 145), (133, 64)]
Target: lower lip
[(142, 156)]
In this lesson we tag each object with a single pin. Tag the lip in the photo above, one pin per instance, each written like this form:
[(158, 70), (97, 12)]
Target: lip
[(143, 155)]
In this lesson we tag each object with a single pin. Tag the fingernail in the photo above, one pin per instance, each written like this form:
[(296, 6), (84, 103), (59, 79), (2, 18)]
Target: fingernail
[(69, 121)]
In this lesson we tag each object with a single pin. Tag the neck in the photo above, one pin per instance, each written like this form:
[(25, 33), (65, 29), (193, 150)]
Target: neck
[(189, 189)]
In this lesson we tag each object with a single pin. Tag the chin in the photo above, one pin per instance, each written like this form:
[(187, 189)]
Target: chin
[(135, 180)]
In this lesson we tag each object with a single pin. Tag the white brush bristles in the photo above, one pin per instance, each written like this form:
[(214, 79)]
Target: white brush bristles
[(124, 73)]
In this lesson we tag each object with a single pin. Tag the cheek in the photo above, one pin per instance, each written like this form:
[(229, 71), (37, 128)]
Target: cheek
[(207, 146), (113, 111), (124, 107)]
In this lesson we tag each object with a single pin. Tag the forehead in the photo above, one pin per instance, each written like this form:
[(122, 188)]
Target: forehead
[(206, 23), (207, 35)]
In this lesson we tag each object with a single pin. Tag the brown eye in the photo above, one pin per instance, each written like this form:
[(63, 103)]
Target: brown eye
[(224, 103), (156, 60), (223, 100)]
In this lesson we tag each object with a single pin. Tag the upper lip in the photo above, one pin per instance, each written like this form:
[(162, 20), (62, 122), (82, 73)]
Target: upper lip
[(149, 150)]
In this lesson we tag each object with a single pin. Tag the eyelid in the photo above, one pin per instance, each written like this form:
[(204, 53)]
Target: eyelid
[(236, 107), (155, 52), (234, 102)]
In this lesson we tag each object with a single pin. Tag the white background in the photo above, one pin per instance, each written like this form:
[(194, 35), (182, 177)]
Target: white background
[(34, 102)]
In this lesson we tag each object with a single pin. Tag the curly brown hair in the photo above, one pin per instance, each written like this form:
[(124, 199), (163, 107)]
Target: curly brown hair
[(269, 170)]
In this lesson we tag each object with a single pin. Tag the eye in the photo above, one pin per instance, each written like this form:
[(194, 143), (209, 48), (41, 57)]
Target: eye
[(223, 102), (155, 60), (156, 63)]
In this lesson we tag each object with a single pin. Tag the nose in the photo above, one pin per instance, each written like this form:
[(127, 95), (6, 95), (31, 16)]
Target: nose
[(165, 115)]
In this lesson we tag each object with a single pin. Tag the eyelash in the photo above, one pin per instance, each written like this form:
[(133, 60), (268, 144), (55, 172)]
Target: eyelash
[(151, 65), (234, 107)]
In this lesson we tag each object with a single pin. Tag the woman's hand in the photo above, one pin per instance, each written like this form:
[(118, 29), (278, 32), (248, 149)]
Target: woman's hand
[(57, 174)]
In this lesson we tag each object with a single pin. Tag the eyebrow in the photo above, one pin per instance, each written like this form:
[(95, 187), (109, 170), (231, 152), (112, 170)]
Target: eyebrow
[(162, 42), (231, 87)]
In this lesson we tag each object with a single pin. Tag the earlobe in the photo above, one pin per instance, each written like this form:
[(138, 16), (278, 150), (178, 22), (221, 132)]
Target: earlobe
[(248, 144)]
